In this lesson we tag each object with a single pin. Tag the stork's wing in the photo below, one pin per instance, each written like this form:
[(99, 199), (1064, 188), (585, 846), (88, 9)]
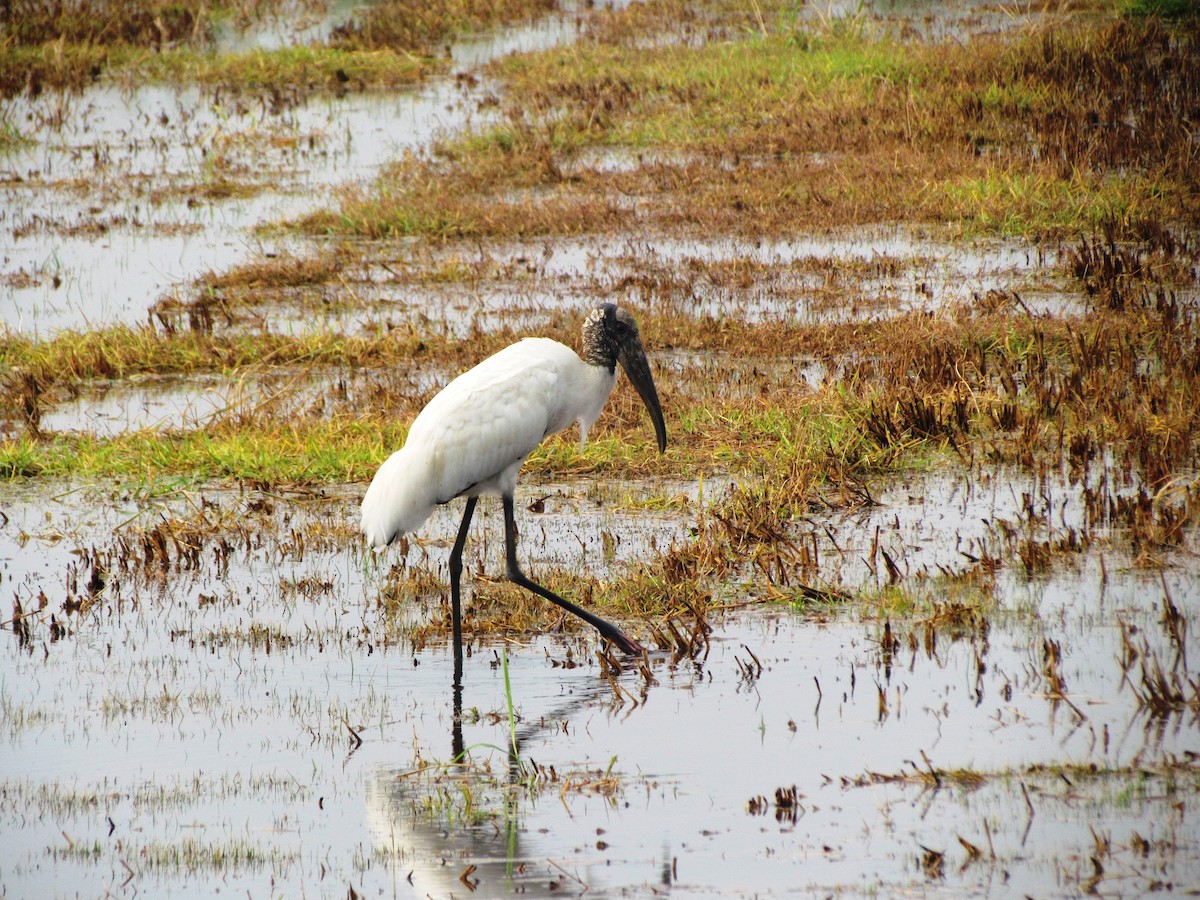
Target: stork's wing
[(477, 432), (473, 437)]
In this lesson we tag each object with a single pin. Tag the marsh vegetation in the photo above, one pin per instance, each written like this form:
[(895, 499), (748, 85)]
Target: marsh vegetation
[(918, 569)]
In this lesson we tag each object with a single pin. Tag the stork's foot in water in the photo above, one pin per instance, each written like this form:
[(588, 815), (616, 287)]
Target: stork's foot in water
[(608, 631), (623, 642), (613, 635), (516, 576)]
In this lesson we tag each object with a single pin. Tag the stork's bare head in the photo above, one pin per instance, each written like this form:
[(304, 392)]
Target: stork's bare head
[(610, 336)]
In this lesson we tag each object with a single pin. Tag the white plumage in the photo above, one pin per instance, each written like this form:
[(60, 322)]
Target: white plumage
[(474, 436)]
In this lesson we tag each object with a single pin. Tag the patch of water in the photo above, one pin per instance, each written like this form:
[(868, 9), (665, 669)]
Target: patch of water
[(196, 727), (556, 30), (624, 159), (171, 402), (291, 23), (116, 198), (711, 376), (109, 260), (836, 277), (928, 21), (845, 276), (890, 269), (106, 409), (941, 522)]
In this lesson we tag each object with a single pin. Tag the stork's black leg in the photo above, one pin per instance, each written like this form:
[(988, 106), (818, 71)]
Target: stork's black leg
[(456, 730), (455, 581), (607, 629)]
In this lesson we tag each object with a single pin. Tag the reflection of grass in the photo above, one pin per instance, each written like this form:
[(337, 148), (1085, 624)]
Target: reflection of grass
[(17, 718), (474, 791), (148, 848), (10, 135), (1134, 780), (1135, 789), (191, 854), (456, 806)]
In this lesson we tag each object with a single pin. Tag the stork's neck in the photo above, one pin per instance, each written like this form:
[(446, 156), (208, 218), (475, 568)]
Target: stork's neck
[(588, 392)]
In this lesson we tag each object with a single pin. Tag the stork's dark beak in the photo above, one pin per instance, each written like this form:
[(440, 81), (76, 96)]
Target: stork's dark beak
[(632, 357)]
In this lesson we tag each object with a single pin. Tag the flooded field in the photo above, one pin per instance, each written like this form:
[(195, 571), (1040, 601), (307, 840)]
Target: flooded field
[(252, 718), (917, 574)]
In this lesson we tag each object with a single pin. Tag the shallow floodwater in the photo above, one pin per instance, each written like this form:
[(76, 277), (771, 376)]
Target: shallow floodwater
[(114, 202), (196, 727)]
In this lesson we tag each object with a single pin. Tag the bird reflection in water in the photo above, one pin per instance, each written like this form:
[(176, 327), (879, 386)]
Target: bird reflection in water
[(451, 829)]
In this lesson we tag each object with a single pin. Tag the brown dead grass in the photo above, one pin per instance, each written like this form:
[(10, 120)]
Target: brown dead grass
[(154, 23), (1032, 133), (422, 27), (70, 44)]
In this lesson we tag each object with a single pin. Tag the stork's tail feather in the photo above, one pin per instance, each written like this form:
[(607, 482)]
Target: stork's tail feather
[(396, 502)]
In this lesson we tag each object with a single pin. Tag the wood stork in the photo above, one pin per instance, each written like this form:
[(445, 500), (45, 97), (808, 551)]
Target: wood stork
[(473, 437)]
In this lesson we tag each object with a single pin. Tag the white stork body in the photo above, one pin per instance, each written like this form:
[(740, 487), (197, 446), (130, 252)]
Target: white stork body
[(474, 436)]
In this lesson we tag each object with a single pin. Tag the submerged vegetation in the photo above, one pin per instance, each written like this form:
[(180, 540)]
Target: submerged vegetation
[(777, 126)]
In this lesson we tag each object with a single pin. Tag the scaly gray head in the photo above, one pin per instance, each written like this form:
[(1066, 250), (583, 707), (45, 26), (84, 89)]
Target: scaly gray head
[(610, 336)]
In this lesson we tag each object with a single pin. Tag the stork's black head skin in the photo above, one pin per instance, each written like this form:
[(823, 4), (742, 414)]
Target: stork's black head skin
[(610, 336)]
